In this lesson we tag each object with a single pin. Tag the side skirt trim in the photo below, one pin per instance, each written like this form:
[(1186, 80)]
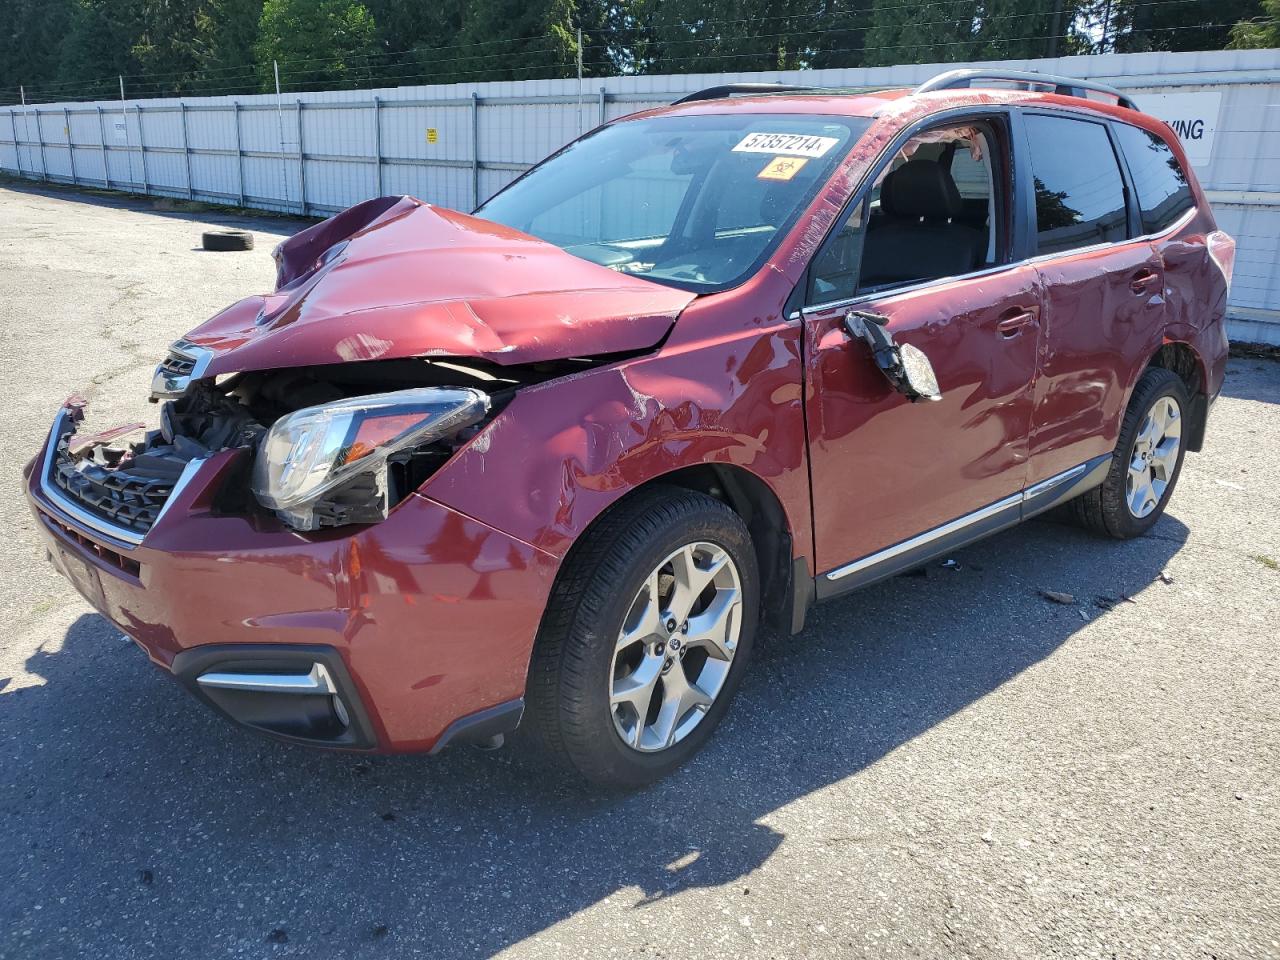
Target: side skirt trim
[(937, 533), (965, 529)]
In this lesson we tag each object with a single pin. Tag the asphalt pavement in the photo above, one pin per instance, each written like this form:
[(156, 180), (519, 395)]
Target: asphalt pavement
[(942, 765)]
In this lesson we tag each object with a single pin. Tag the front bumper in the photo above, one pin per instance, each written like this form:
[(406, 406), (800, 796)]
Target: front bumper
[(426, 620)]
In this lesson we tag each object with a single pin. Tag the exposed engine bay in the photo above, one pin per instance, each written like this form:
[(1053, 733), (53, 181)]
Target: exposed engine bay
[(361, 436), (406, 344)]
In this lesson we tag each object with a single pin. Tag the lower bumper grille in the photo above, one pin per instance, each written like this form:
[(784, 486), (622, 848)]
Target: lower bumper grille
[(108, 556)]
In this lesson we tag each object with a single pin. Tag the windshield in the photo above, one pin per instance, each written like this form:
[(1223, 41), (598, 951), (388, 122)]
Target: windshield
[(695, 202)]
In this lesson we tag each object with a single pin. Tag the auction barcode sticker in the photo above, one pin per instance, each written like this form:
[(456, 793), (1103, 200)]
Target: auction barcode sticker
[(791, 144)]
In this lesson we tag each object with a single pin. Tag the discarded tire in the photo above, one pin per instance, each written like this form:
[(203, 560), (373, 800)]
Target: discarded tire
[(227, 240)]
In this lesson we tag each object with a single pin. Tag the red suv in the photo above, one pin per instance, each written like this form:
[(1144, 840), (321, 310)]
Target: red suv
[(557, 463)]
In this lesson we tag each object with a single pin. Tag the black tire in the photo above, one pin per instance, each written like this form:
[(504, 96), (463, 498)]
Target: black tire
[(568, 715), (1105, 509), (223, 240)]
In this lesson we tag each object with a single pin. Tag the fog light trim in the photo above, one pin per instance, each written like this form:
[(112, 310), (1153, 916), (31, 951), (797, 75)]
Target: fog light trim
[(316, 681), (302, 693)]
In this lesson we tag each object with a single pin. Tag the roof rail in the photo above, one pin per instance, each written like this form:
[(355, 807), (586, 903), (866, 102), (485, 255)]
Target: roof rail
[(1065, 86), (731, 89)]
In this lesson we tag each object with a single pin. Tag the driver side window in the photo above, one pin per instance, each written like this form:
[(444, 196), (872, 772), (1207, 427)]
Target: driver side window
[(934, 211)]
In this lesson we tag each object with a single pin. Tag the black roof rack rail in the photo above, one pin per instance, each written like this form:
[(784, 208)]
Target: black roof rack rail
[(732, 89), (1065, 86)]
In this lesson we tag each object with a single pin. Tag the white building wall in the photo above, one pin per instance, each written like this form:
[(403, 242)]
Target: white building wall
[(454, 145)]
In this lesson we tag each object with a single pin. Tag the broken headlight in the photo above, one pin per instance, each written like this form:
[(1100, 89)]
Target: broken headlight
[(327, 465)]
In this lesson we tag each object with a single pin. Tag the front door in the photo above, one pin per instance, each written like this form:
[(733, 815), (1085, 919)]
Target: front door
[(925, 249)]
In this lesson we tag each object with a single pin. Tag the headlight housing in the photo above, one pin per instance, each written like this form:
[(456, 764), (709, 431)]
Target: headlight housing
[(327, 465)]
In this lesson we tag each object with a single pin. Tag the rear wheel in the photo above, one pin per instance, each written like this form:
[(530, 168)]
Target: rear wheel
[(1147, 462), (645, 638)]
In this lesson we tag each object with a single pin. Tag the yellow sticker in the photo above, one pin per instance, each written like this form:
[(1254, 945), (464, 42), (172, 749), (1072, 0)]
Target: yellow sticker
[(432, 134), (782, 168)]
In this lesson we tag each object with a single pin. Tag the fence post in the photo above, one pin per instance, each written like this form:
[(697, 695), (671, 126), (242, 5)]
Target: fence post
[(44, 164), (377, 144), (235, 118), (302, 165), (71, 147), (102, 146), (475, 150), (186, 147), (17, 150), (128, 147), (142, 151), (602, 110)]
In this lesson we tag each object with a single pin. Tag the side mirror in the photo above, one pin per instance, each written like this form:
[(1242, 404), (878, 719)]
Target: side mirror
[(906, 367)]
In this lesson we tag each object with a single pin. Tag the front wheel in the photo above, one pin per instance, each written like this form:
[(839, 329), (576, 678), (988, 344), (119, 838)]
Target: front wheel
[(645, 638), (1147, 461)]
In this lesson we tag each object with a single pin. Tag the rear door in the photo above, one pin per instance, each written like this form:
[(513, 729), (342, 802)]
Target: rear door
[(891, 477), (1103, 292)]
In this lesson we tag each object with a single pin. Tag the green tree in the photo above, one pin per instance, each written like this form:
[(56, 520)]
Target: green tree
[(227, 31), (935, 31), (69, 49), (170, 47), (328, 41), (948, 31), (31, 33), (410, 36), (843, 35), (1010, 29), (1140, 26), (1258, 32), (512, 40), (99, 46), (675, 36)]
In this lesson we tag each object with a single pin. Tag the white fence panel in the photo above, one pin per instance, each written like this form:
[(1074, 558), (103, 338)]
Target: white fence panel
[(454, 145)]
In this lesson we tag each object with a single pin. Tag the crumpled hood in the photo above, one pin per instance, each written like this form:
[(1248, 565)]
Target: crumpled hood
[(395, 277)]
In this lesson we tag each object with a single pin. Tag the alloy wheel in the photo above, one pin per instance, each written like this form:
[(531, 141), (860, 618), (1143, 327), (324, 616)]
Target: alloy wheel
[(676, 647), (1154, 457)]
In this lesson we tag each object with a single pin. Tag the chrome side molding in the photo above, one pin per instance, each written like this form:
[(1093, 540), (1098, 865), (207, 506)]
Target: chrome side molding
[(888, 553), (1015, 500), (1044, 486)]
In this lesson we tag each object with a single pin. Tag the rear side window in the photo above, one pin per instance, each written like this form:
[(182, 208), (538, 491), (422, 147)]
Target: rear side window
[(1079, 190), (1163, 192)]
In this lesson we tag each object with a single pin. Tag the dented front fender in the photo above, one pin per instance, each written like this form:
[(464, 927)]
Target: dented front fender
[(565, 450)]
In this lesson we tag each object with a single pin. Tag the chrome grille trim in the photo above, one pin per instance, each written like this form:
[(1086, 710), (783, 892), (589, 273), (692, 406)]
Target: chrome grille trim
[(73, 512), (185, 362)]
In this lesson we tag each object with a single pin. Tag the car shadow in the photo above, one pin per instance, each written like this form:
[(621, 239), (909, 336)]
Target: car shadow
[(124, 798)]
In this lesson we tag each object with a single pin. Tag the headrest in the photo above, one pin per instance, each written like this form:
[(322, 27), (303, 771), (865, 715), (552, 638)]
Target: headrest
[(921, 188)]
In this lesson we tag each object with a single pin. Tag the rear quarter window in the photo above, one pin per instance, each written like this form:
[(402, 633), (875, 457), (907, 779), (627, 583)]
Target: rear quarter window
[(1163, 191)]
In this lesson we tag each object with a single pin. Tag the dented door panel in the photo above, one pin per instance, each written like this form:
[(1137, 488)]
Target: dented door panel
[(1103, 310), (885, 468)]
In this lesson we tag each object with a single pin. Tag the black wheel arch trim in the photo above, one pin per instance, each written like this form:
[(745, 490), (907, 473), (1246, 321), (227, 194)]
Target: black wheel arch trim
[(483, 726)]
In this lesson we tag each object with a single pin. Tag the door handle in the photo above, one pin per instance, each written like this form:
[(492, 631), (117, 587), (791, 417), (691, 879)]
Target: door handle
[(1012, 323), (1141, 280)]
